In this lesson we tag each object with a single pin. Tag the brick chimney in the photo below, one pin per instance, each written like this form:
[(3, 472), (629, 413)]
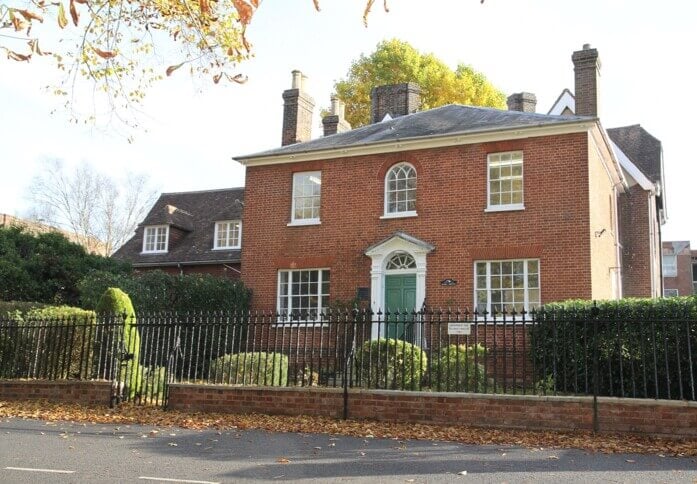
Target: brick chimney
[(334, 122), (525, 102), (297, 111), (395, 100), (586, 74)]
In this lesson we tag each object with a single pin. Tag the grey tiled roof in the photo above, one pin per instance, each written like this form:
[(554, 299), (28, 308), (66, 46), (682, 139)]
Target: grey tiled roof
[(446, 120), (641, 147), (195, 213)]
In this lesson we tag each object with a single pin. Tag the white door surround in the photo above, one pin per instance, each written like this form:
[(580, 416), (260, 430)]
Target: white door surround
[(381, 253)]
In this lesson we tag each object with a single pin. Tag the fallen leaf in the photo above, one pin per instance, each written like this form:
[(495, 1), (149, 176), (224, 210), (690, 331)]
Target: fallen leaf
[(283, 460)]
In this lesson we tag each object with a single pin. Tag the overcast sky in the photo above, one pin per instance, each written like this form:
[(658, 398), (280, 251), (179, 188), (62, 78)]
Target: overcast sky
[(194, 128)]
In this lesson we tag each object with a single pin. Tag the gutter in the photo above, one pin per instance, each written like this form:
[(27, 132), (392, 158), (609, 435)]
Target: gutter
[(188, 263)]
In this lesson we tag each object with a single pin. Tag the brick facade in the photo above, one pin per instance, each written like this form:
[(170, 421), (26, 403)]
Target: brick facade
[(82, 392), (682, 281), (636, 242), (677, 419), (555, 225)]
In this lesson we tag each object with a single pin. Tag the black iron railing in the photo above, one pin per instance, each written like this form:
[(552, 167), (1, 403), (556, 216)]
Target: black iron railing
[(561, 352)]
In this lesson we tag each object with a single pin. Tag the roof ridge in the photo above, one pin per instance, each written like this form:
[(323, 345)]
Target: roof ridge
[(203, 191)]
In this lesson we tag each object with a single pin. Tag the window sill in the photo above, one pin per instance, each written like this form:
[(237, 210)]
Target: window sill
[(399, 215), (302, 223), (154, 252), (228, 248), (506, 208)]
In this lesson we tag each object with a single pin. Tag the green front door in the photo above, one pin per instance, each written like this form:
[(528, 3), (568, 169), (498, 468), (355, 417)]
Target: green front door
[(400, 297)]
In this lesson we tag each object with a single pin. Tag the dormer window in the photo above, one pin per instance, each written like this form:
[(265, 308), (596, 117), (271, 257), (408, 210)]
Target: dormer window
[(155, 239), (228, 235)]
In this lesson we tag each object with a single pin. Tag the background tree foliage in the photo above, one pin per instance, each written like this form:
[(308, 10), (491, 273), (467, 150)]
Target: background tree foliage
[(46, 267), (395, 61), (122, 47), (101, 212)]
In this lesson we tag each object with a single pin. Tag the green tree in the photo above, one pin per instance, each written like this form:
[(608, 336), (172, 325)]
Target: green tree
[(122, 47), (395, 61), (46, 267)]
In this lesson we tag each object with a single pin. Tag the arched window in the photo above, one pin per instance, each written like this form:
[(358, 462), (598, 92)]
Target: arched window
[(400, 190), (401, 260)]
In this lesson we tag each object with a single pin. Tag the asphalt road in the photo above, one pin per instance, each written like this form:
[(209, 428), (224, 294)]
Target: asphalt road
[(37, 451)]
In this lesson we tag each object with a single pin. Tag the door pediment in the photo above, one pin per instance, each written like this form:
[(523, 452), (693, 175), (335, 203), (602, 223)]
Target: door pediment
[(399, 241)]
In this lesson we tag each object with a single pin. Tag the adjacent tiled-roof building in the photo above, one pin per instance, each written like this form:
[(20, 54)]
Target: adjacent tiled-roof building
[(190, 232)]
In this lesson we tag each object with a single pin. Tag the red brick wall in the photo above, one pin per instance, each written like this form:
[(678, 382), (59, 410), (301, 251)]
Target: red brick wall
[(683, 281), (451, 199), (655, 417), (636, 243), (218, 270), (82, 392)]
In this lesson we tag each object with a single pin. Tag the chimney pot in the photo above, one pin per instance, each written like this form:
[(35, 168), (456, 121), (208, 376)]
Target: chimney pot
[(297, 79), (334, 122)]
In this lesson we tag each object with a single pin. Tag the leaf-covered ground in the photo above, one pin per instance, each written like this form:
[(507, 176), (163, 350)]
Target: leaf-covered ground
[(130, 414)]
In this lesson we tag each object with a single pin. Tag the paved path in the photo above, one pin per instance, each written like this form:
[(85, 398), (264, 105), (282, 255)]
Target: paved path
[(37, 451)]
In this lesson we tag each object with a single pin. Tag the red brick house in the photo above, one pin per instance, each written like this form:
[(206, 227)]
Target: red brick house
[(190, 232), (679, 269), (454, 206)]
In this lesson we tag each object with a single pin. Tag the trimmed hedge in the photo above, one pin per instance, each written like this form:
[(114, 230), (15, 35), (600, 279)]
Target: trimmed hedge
[(46, 342), (391, 364), (260, 368), (459, 368), (159, 291), (642, 345), (17, 309), (115, 303)]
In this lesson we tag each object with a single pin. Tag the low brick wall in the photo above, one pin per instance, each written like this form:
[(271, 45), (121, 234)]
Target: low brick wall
[(529, 412), (82, 392)]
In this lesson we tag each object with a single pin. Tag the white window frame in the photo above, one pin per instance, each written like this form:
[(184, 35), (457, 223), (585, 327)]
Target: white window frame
[(670, 292), (503, 207), (386, 192), (157, 229), (670, 270), (526, 300), (284, 314), (305, 221), (216, 232)]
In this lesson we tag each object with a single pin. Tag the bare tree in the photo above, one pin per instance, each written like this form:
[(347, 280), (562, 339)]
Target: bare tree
[(102, 213)]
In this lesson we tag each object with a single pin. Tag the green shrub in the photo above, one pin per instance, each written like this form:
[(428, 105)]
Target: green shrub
[(641, 345), (46, 267), (47, 342), (159, 291), (154, 384), (116, 305), (17, 309), (390, 364), (265, 369), (459, 368)]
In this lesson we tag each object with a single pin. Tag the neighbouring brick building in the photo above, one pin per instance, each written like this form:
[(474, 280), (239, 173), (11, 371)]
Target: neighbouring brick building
[(190, 232), (679, 269), (454, 206)]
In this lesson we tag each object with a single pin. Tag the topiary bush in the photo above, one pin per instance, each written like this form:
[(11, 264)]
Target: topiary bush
[(642, 347), (115, 305), (17, 309), (459, 368), (260, 368), (390, 364)]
